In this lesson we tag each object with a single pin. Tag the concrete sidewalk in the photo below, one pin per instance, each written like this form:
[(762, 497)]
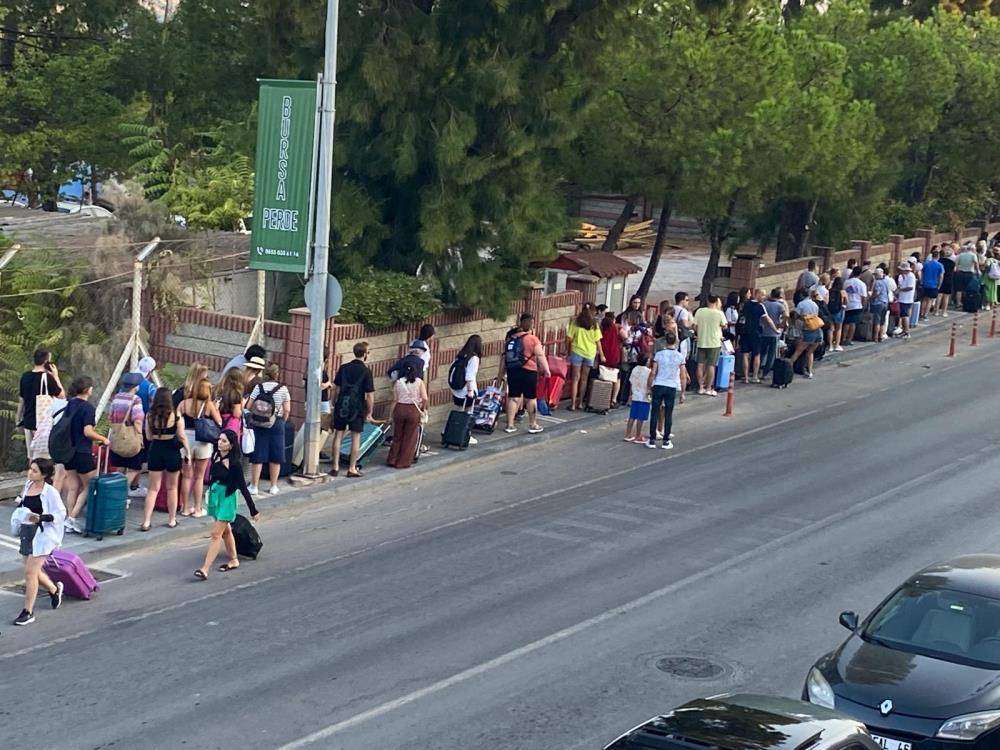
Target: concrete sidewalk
[(560, 424)]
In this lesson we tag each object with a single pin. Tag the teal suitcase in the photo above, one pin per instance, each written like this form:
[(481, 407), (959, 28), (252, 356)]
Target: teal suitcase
[(107, 502)]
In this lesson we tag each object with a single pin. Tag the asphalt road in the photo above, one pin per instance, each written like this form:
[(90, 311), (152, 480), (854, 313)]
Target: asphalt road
[(524, 601)]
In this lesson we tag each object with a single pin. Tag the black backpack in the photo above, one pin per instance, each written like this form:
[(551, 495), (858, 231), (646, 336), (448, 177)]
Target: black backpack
[(514, 356), (349, 401), (456, 375), (61, 447)]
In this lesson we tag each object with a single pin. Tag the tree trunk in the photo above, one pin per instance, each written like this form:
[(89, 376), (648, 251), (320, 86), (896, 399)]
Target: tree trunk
[(8, 43), (717, 235), (615, 233), (654, 259), (804, 241), (792, 229)]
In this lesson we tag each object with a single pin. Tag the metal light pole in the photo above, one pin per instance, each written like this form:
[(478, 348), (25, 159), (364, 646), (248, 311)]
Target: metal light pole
[(321, 243)]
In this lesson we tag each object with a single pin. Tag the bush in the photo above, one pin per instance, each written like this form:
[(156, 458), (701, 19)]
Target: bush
[(385, 298)]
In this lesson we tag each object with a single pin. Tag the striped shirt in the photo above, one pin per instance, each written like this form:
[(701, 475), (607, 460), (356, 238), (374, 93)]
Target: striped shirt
[(278, 392)]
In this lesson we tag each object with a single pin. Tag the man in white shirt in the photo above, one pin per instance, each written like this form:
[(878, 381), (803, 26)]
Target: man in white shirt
[(907, 281), (857, 295)]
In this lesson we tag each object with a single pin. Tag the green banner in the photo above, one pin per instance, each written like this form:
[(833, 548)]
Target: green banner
[(286, 130)]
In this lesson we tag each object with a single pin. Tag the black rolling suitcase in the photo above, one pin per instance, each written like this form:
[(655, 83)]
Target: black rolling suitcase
[(971, 302), (457, 430), (248, 543), (782, 373)]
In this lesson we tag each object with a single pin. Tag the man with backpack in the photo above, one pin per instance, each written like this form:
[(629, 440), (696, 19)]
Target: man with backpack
[(353, 402), (522, 361)]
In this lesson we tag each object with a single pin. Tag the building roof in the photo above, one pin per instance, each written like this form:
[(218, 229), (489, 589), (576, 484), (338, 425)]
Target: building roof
[(596, 263)]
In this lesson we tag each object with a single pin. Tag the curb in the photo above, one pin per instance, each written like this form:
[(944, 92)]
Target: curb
[(329, 492)]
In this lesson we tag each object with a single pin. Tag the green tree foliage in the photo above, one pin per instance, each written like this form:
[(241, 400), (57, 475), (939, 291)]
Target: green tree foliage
[(386, 298)]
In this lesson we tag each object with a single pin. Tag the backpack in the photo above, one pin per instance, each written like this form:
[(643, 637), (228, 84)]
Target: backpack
[(456, 375), (263, 413), (514, 356), (349, 402), (994, 270), (61, 447)]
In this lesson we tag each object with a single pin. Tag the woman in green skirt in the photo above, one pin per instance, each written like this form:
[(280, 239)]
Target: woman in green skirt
[(226, 482)]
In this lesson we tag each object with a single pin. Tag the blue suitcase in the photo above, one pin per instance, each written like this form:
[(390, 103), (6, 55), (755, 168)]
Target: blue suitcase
[(723, 371), (107, 501), (372, 436)]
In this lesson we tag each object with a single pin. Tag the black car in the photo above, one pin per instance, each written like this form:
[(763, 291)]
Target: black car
[(747, 722), (923, 670)]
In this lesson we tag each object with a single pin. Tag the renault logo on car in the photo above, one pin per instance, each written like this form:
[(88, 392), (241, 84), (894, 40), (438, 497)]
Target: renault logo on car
[(885, 708)]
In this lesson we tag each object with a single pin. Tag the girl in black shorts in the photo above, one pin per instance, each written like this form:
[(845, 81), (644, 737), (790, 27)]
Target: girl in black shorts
[(165, 432)]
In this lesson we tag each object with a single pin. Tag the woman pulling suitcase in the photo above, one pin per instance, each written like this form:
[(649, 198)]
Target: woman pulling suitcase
[(41, 532), (226, 476)]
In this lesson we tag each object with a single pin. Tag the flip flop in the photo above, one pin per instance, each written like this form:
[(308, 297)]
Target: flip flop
[(144, 528), (227, 567), (354, 475), (200, 575), (170, 525)]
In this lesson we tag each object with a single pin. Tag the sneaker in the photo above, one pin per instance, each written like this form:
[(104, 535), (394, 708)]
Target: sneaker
[(659, 435), (274, 490), (72, 526), (139, 491), (944, 315), (252, 489), (667, 446), (838, 348), (809, 376), (473, 441), (897, 332), (535, 429), (712, 392), (670, 436), (56, 598), (510, 430), (25, 618), (650, 444), (702, 392)]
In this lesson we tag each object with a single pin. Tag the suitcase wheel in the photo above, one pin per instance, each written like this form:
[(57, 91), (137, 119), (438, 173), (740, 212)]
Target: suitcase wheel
[(120, 532), (100, 537), (444, 444)]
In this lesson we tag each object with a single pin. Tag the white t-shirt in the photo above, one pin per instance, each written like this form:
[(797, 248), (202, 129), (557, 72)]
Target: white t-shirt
[(425, 355), (681, 315), (280, 395), (471, 371), (907, 280), (824, 293), (856, 291), (639, 383), (668, 368)]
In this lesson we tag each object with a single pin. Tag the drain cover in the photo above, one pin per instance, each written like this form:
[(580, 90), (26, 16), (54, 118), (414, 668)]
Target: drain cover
[(102, 576), (690, 667)]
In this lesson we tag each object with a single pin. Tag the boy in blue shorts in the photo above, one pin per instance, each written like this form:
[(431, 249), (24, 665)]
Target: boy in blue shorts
[(639, 408)]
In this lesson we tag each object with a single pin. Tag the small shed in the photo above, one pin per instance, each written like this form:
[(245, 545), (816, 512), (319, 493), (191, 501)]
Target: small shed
[(603, 278)]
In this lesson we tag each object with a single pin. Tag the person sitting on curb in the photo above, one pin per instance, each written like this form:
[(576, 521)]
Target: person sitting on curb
[(522, 362)]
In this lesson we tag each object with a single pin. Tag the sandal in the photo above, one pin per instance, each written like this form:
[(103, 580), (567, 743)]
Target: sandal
[(144, 528), (228, 567), (170, 525), (201, 575), (356, 474), (334, 472)]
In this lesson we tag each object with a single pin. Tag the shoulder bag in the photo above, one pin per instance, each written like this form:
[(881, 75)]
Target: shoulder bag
[(125, 441)]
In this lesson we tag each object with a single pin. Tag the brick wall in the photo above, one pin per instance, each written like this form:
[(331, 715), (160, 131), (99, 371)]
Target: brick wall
[(213, 338)]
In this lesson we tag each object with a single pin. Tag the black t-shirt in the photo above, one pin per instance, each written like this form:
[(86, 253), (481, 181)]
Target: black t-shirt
[(949, 268), (355, 371), (325, 393), (81, 414), (753, 311), (177, 396), (30, 387), (32, 503), (409, 359)]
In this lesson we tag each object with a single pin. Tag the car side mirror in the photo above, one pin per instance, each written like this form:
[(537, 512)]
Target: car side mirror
[(849, 620)]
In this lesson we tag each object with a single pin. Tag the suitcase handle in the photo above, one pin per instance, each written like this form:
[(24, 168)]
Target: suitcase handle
[(106, 450)]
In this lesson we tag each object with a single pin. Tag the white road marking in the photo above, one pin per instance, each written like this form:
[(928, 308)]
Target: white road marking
[(585, 526), (561, 635)]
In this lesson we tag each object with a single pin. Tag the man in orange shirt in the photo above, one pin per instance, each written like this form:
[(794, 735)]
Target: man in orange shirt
[(523, 359)]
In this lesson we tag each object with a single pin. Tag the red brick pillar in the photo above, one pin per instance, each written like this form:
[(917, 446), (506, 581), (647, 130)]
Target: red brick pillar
[(744, 272), (865, 249), (897, 249), (294, 362), (823, 255), (925, 235)]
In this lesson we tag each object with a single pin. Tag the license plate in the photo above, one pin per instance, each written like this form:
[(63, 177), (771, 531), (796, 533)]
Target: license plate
[(888, 744)]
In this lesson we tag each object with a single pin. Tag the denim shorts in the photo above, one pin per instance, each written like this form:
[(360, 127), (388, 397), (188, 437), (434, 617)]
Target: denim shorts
[(838, 317), (813, 337), (578, 360), (270, 444)]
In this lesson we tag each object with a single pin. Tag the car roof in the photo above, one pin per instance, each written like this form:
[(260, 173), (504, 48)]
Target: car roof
[(747, 722), (970, 574)]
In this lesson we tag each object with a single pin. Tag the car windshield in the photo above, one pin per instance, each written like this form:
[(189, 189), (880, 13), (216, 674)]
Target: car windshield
[(948, 625)]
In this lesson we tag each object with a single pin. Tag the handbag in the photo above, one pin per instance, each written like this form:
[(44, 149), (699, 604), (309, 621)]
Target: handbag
[(248, 439), (43, 401), (609, 374), (206, 430), (40, 440), (994, 270), (894, 308), (125, 441), (812, 322)]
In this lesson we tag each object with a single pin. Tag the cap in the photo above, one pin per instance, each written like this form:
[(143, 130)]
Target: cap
[(418, 344), (904, 266), (130, 380), (146, 366), (256, 363)]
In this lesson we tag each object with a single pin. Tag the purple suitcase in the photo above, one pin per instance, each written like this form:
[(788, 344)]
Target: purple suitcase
[(70, 569)]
